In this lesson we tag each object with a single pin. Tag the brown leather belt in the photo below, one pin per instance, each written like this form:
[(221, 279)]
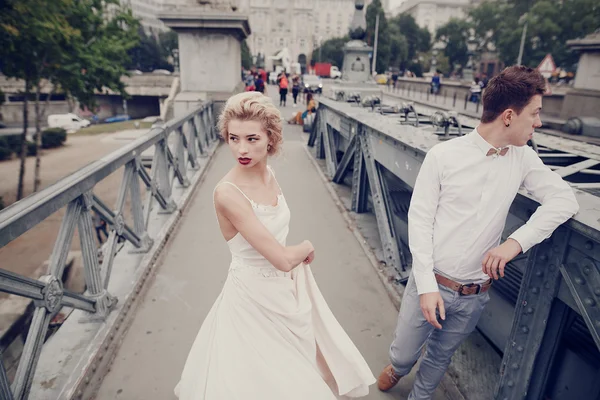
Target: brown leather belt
[(462, 289)]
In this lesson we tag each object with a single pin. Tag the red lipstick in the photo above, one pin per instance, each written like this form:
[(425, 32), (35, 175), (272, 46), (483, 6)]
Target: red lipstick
[(244, 160)]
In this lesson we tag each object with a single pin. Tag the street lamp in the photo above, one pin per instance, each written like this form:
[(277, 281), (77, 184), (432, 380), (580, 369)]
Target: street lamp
[(471, 47)]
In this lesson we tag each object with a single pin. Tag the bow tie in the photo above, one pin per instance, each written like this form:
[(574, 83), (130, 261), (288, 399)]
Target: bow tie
[(497, 152)]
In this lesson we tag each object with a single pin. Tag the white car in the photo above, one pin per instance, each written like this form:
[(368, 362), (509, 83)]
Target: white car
[(69, 122)]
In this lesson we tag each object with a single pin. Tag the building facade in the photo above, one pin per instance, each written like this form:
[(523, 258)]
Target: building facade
[(298, 25), (432, 14)]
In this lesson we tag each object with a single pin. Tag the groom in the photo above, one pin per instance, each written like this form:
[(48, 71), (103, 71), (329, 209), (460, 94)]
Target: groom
[(457, 214)]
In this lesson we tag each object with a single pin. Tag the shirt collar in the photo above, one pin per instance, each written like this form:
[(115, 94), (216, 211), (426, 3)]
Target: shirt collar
[(483, 144)]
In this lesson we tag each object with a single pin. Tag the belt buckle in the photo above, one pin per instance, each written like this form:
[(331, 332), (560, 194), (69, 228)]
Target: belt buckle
[(469, 285)]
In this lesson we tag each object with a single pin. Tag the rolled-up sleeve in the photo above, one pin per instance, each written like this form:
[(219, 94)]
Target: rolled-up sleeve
[(421, 218), (556, 197)]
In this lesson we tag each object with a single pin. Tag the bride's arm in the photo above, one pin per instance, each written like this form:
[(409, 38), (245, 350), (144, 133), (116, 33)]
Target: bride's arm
[(231, 204)]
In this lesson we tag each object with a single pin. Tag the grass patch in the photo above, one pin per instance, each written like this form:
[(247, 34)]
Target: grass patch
[(112, 128)]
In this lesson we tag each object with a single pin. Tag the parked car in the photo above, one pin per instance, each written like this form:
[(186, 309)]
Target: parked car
[(312, 84), (117, 118), (69, 122)]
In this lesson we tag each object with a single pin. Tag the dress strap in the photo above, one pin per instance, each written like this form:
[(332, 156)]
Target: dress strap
[(235, 186), (273, 175)]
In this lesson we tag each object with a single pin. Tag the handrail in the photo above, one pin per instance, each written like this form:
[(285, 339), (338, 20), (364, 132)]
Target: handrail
[(192, 134)]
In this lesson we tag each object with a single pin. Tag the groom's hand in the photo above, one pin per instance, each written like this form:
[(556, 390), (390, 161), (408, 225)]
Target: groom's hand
[(429, 303), (495, 260)]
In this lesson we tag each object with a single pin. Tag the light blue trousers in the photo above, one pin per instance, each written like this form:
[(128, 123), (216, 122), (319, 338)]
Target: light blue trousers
[(413, 332)]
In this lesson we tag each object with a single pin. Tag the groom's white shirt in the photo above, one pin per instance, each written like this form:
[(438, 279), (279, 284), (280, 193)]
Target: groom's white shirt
[(461, 200)]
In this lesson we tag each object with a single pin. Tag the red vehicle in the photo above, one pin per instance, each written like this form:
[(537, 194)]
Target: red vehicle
[(326, 70)]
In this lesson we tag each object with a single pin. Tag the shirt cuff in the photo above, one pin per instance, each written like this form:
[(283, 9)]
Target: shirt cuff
[(525, 236), (426, 282)]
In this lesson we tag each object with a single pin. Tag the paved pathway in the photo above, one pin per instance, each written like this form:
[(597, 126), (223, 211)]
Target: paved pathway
[(194, 268)]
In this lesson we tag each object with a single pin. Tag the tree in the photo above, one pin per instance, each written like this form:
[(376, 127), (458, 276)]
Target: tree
[(33, 34), (331, 51), (169, 42), (383, 39), (70, 43), (246, 56), (455, 34), (550, 25), (418, 39), (149, 55), (398, 48)]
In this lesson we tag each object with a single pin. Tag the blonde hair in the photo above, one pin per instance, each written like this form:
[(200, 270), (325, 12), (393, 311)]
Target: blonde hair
[(253, 106)]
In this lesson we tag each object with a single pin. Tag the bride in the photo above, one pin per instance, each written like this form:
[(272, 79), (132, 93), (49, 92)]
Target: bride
[(270, 334)]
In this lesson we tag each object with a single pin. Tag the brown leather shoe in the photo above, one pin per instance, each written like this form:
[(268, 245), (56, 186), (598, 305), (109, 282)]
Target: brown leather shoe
[(387, 379)]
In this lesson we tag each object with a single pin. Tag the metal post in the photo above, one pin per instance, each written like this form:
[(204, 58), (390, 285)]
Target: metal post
[(375, 45), (520, 58)]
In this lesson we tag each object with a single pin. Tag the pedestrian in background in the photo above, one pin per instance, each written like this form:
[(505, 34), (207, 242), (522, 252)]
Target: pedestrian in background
[(283, 89), (295, 88)]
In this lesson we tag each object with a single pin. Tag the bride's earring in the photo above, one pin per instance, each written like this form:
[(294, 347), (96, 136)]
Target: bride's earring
[(269, 147)]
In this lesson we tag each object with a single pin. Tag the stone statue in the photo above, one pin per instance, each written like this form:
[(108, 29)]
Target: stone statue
[(358, 26)]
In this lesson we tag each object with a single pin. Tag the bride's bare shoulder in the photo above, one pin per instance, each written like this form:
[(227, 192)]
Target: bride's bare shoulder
[(228, 195)]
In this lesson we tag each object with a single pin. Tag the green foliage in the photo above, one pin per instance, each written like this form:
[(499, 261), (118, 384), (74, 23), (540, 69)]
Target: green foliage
[(169, 42), (332, 51), (151, 53), (72, 43), (384, 38), (550, 25), (455, 34), (417, 39), (12, 144), (53, 137), (442, 62), (5, 150), (246, 56), (398, 48), (31, 149)]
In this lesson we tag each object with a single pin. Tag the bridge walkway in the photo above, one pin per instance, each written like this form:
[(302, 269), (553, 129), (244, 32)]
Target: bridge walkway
[(194, 267)]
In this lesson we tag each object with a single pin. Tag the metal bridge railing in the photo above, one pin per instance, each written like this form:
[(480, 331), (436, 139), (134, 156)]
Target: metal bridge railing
[(177, 148), (557, 293)]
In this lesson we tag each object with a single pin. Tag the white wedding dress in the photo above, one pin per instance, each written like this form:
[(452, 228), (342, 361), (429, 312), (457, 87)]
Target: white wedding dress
[(270, 334)]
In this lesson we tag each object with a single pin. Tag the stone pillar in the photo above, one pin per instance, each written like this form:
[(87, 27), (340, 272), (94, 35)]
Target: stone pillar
[(584, 99), (210, 36), (357, 64)]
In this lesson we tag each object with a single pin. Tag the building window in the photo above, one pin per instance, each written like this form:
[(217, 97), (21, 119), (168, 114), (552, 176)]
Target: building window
[(302, 43), (281, 42)]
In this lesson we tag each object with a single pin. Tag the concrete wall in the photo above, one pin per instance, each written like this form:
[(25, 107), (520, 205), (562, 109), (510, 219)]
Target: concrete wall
[(108, 106), (581, 103), (137, 106), (553, 105), (12, 113)]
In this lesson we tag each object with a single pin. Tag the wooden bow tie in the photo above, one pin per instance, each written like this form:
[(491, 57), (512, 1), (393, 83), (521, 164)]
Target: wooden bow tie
[(497, 152)]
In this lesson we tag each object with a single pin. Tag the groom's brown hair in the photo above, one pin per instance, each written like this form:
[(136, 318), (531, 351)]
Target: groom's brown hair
[(512, 88)]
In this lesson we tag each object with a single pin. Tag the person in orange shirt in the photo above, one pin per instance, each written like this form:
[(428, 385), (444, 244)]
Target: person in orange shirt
[(283, 89)]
